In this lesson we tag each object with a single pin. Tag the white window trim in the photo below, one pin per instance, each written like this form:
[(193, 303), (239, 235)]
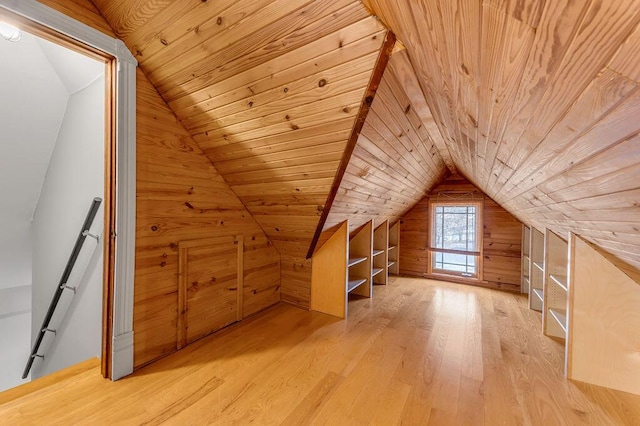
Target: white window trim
[(122, 339), (479, 237)]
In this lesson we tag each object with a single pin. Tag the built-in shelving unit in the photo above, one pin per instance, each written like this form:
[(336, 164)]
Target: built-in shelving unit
[(536, 270), (380, 271), (350, 264), (361, 253), (526, 259), (394, 249), (554, 319)]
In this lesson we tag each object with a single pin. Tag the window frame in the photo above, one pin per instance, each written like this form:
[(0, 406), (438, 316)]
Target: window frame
[(431, 250)]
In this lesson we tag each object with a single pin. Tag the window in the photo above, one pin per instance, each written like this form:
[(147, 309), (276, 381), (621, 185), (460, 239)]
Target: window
[(455, 239)]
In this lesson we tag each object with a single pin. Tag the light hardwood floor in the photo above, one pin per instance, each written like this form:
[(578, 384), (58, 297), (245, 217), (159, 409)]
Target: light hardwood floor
[(419, 353)]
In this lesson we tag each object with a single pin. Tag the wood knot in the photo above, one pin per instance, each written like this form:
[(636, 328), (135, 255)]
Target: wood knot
[(219, 20), (250, 104), (188, 204), (322, 83), (285, 90), (407, 109), (163, 264), (154, 228), (163, 41), (294, 127)]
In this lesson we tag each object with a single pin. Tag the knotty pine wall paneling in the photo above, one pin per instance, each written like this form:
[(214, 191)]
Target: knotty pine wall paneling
[(270, 91), (180, 196), (501, 242)]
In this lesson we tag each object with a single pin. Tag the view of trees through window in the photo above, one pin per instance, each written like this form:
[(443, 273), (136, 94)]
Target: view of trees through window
[(455, 228)]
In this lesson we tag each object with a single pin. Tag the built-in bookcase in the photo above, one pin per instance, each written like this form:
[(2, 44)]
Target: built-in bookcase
[(526, 259), (350, 265), (380, 271), (554, 320), (360, 261), (536, 270), (394, 249)]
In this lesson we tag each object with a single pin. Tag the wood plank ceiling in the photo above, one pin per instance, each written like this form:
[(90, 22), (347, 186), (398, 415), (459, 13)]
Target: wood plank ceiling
[(539, 106), (270, 90), (398, 157)]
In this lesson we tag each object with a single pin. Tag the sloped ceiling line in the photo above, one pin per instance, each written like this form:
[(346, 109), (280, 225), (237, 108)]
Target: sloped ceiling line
[(369, 95)]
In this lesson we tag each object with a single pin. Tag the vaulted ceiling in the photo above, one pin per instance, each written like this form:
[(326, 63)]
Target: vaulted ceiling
[(535, 102), (539, 106)]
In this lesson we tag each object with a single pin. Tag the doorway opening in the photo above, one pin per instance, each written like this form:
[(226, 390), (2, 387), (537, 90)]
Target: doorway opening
[(57, 156)]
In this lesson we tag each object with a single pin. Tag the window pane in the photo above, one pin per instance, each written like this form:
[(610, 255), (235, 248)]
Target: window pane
[(455, 228)]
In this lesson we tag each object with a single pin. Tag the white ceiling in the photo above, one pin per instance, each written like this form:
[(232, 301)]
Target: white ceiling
[(36, 80)]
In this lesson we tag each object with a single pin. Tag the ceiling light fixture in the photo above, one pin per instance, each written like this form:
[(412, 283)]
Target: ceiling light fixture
[(9, 32)]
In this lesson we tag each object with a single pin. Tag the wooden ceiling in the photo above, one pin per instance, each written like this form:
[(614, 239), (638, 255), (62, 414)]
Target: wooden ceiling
[(397, 160), (539, 106), (535, 102)]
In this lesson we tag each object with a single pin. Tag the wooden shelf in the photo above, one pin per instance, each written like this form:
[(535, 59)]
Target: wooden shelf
[(556, 290), (561, 280), (343, 266), (393, 250), (560, 315), (352, 284), (355, 260), (351, 263), (538, 293), (535, 268)]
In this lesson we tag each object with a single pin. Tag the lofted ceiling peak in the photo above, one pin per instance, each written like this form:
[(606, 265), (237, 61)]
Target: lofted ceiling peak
[(537, 103)]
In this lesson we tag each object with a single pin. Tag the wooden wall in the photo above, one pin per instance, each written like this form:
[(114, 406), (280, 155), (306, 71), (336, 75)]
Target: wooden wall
[(180, 196), (395, 162), (538, 103), (269, 90), (501, 241)]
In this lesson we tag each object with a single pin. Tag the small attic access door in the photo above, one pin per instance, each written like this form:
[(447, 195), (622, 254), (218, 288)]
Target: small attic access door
[(210, 286)]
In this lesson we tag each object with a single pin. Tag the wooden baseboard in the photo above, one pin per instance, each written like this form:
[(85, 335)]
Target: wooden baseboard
[(512, 288)]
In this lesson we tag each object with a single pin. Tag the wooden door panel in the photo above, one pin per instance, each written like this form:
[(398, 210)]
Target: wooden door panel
[(210, 274)]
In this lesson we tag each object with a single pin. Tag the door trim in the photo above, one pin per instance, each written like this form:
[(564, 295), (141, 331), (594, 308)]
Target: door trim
[(118, 311)]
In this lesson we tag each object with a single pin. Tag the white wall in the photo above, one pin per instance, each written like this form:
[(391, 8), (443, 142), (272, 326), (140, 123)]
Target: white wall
[(75, 176), (14, 341), (15, 252)]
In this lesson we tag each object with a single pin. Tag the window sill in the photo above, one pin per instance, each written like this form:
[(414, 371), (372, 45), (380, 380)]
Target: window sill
[(453, 278)]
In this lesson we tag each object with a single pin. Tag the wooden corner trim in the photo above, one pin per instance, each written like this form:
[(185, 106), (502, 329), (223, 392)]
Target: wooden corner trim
[(365, 106)]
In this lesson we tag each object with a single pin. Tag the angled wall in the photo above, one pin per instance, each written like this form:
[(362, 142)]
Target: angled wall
[(180, 196), (395, 162), (269, 90)]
